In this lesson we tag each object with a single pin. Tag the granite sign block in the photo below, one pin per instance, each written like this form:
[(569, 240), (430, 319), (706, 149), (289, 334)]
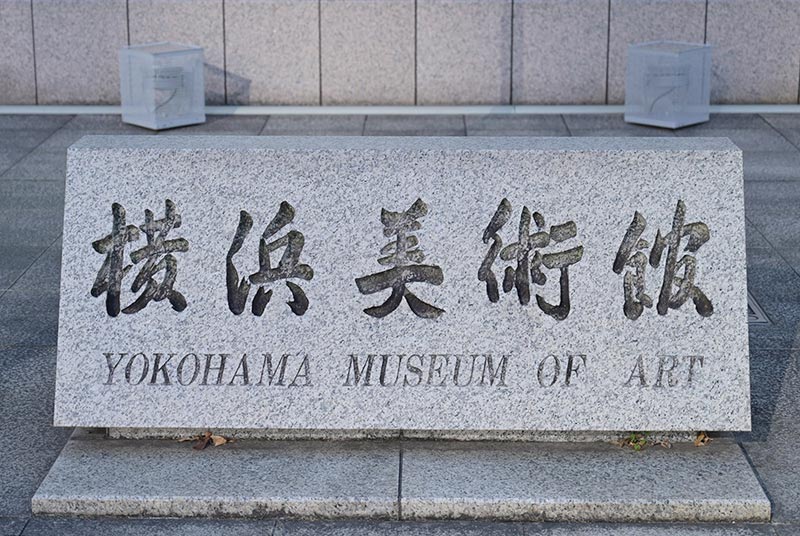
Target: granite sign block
[(403, 284)]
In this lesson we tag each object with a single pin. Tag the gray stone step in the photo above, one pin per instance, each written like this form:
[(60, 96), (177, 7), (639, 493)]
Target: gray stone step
[(580, 482), (402, 479)]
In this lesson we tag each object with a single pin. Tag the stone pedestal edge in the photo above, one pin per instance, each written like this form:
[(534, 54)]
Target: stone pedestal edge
[(311, 479)]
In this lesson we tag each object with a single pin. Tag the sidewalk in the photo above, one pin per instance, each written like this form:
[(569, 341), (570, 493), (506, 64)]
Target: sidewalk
[(32, 167)]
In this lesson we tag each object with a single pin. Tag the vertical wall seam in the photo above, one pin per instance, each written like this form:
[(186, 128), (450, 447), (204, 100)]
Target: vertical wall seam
[(319, 37), (608, 45), (35, 74), (416, 38), (705, 26), (511, 58), (224, 58), (128, 20)]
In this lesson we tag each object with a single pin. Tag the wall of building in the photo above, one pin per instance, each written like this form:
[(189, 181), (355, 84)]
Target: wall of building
[(396, 51)]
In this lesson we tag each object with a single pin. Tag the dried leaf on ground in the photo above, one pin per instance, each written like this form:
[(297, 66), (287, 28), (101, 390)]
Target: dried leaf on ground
[(203, 441), (701, 439), (218, 440)]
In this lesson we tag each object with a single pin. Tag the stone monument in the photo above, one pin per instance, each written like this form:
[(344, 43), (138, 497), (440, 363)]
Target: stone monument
[(342, 285), (351, 286)]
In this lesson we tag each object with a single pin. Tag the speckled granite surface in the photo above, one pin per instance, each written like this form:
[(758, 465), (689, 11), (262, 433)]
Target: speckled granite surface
[(392, 320)]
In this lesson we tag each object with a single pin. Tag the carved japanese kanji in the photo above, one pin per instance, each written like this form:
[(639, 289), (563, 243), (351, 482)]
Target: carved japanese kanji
[(288, 267), (631, 254), (526, 252), (157, 254), (406, 260)]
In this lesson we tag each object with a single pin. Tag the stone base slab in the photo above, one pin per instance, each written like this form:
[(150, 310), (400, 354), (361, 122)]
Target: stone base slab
[(402, 479), (580, 483)]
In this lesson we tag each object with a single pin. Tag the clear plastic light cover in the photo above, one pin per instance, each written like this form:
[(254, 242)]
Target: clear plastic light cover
[(668, 84), (162, 85)]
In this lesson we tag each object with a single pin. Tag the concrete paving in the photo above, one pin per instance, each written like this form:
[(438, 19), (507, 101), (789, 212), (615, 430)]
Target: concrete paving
[(32, 165)]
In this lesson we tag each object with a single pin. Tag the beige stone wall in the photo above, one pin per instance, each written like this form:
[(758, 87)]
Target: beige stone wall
[(396, 51)]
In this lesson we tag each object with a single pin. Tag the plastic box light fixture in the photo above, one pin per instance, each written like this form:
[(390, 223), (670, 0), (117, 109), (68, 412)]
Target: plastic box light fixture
[(162, 85), (668, 84)]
